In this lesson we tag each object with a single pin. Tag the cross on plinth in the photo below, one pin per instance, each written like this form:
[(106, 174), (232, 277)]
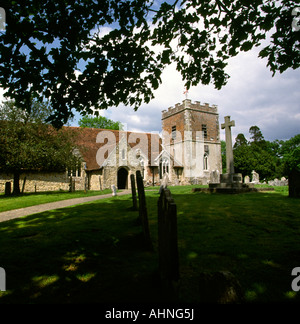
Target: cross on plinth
[(229, 152)]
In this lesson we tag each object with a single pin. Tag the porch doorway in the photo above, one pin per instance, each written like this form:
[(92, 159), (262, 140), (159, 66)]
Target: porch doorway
[(122, 178)]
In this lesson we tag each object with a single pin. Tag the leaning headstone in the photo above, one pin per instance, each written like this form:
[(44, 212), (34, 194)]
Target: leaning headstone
[(7, 188), (294, 183), (167, 240), (143, 214), (114, 190), (133, 192), (247, 179)]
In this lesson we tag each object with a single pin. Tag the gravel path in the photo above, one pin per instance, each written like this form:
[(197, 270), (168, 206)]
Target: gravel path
[(11, 214)]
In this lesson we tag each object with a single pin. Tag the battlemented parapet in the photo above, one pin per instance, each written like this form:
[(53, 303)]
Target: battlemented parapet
[(188, 104)]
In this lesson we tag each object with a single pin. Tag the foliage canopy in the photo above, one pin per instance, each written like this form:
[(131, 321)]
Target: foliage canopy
[(99, 122), (120, 48), (270, 159), (28, 144)]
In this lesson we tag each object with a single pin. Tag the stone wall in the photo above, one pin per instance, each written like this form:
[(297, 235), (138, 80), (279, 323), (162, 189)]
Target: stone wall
[(39, 182)]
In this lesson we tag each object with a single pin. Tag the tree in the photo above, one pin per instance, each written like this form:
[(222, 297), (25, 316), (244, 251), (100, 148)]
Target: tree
[(99, 122), (240, 141), (290, 153), (254, 155), (28, 144), (45, 42), (256, 135)]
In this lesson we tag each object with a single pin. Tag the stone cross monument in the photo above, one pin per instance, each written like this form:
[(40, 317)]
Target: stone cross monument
[(229, 152), (230, 182)]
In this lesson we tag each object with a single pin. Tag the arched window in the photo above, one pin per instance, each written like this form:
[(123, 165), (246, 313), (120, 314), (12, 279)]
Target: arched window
[(205, 162), (164, 166)]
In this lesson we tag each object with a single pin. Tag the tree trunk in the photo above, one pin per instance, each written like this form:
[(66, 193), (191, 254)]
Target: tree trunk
[(16, 190)]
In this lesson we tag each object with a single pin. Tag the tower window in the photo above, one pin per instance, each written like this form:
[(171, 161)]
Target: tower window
[(204, 130), (173, 132)]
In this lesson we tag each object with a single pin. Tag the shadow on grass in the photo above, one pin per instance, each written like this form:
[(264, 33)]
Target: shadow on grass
[(89, 253), (95, 252)]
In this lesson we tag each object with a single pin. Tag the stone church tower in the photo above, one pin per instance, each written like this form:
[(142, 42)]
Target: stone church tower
[(191, 143)]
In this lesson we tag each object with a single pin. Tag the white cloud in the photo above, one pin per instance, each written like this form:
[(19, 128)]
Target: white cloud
[(251, 97)]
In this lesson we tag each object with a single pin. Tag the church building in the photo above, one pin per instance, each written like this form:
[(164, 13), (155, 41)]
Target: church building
[(188, 151)]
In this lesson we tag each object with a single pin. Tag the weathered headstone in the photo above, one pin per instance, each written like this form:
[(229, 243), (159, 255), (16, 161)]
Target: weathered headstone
[(114, 190), (133, 192), (7, 188), (247, 179), (143, 214), (294, 183), (215, 176), (167, 240), (255, 177)]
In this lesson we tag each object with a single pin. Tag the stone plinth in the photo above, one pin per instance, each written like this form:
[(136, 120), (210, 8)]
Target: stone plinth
[(230, 183), (231, 178)]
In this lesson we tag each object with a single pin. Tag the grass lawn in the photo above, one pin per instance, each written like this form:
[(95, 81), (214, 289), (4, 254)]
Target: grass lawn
[(94, 252), (32, 199)]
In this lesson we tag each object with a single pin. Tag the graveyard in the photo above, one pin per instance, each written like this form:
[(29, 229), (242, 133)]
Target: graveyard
[(97, 252)]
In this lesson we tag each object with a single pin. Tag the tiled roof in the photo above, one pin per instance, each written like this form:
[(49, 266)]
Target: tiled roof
[(86, 140)]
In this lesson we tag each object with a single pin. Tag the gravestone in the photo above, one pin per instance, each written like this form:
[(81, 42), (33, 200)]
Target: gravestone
[(247, 179), (114, 190), (143, 214), (255, 177), (215, 176), (294, 183), (167, 240), (133, 192), (7, 188)]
